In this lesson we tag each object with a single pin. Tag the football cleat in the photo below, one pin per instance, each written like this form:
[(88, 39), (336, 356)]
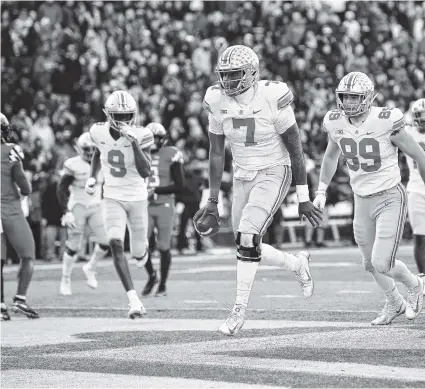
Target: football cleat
[(65, 288), (4, 314), (391, 310), (303, 274), (415, 299), (136, 309), (152, 281), (234, 322), (90, 275), (21, 306), (162, 291)]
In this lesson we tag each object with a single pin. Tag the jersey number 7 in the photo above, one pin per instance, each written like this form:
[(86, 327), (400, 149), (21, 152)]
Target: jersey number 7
[(367, 148), (247, 124)]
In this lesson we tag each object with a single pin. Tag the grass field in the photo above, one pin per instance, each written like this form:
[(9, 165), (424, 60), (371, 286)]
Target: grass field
[(86, 340)]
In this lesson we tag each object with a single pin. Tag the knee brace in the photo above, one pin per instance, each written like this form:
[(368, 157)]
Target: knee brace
[(70, 252), (248, 254), (143, 259), (104, 247)]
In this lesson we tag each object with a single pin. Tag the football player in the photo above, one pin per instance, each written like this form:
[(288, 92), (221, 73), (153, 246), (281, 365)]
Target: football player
[(166, 179), (15, 228), (369, 138), (123, 150), (80, 211), (257, 119), (416, 187)]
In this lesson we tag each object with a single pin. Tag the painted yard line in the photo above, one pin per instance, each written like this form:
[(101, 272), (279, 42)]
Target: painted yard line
[(289, 296), (60, 378), (200, 301), (115, 309)]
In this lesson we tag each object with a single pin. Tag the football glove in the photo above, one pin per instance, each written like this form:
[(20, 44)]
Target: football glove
[(320, 200), (126, 132), (16, 154), (90, 186), (207, 220), (68, 220)]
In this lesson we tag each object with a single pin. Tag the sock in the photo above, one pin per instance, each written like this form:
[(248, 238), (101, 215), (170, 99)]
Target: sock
[(245, 276), (165, 265), (402, 274), (68, 264), (2, 281), (19, 297), (149, 265), (132, 296), (387, 284), (273, 257), (393, 295), (98, 254), (3, 306), (419, 248)]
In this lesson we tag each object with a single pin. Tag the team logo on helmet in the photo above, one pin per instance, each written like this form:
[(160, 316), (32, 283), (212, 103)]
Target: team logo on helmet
[(355, 94), (238, 69)]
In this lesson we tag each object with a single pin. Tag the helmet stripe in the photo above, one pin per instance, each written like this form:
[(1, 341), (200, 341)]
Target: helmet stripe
[(350, 80), (226, 59)]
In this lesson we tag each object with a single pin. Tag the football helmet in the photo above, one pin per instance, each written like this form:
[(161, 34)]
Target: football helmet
[(238, 69), (86, 147), (5, 128), (160, 135), (418, 113), (355, 94), (120, 108)]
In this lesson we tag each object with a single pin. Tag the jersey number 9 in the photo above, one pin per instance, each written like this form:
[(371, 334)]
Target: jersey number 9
[(116, 160), (367, 148)]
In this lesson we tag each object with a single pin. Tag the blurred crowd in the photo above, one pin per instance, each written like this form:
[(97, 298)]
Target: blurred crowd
[(61, 59)]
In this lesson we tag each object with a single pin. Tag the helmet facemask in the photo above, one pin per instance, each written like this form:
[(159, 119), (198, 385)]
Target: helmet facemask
[(233, 82), (419, 119), (117, 119), (87, 153), (354, 103)]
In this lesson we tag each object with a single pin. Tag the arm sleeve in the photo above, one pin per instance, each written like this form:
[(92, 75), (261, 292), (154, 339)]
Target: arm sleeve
[(62, 190), (284, 119), (19, 177), (178, 180)]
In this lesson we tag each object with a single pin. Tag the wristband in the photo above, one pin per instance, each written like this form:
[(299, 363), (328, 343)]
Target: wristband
[(322, 187), (213, 200), (302, 193)]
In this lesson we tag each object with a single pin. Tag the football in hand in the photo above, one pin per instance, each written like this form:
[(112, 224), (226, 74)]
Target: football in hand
[(207, 225)]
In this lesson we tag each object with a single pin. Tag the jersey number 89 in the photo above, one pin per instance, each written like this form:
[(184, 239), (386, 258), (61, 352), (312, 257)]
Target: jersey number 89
[(367, 148)]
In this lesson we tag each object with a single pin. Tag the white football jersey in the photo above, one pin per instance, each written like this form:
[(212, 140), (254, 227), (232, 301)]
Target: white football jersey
[(250, 128), (121, 179), (415, 184), (80, 170), (371, 157)]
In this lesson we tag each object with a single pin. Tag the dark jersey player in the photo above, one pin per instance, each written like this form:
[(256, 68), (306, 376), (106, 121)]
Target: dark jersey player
[(15, 228), (166, 179)]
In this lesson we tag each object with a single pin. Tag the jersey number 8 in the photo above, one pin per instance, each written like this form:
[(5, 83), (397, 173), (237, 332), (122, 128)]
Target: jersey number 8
[(116, 160), (367, 148)]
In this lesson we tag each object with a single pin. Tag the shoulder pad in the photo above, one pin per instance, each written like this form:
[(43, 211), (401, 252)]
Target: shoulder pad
[(69, 164), (398, 120), (331, 116), (278, 92), (212, 97), (145, 136)]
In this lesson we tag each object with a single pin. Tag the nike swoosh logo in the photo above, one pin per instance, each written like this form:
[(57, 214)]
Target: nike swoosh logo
[(254, 112)]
